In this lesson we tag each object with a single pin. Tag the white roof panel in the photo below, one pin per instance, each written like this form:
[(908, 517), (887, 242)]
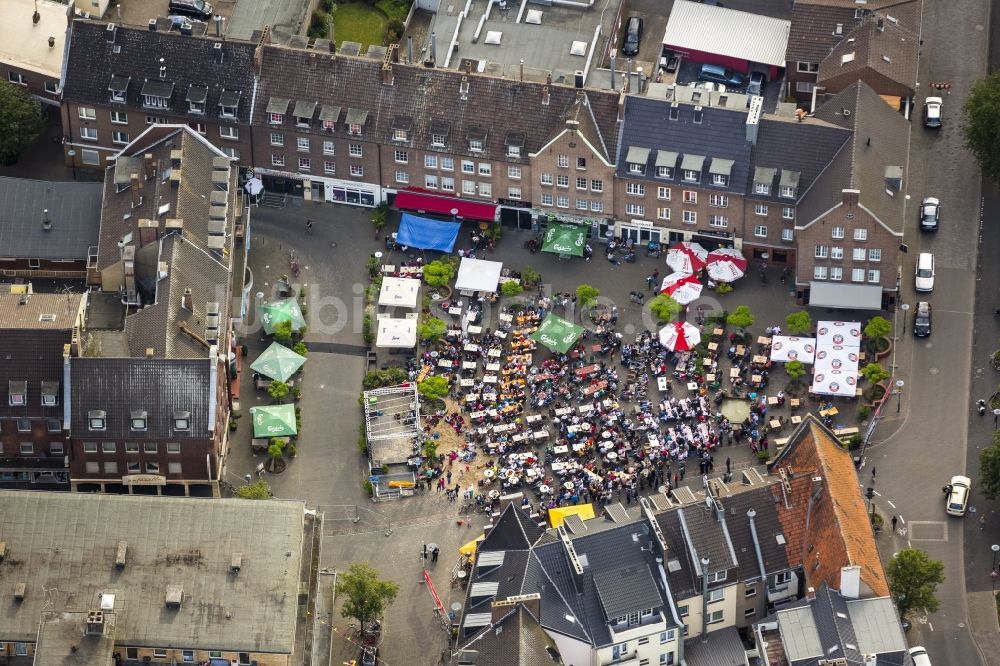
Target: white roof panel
[(751, 37), (478, 275), (399, 292), (397, 333)]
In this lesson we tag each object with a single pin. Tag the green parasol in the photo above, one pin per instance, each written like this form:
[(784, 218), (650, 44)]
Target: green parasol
[(557, 334), (273, 420), (565, 239), (278, 362), (288, 309)]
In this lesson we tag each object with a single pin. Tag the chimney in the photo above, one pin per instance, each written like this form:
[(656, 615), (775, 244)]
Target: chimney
[(150, 352), (880, 24), (387, 72), (621, 106), (52, 42), (545, 96), (147, 232), (46, 222), (95, 623), (521, 75), (811, 594), (463, 88), (136, 190), (187, 301), (753, 119), (152, 25), (150, 165), (433, 48), (163, 69), (578, 79), (850, 582), (409, 49), (109, 33), (218, 25), (613, 70), (217, 49)]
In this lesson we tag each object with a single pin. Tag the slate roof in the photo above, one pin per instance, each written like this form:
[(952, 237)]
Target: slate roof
[(812, 34), (890, 51), (721, 134), (32, 356), (779, 146), (516, 639), (724, 647), (74, 209), (768, 529), (514, 530), (117, 386), (190, 61), (432, 98), (629, 589), (879, 140), (678, 565), (707, 536)]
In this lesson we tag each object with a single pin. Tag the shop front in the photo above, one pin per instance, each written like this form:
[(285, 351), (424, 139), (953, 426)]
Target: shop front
[(317, 188), (515, 214), (643, 231)]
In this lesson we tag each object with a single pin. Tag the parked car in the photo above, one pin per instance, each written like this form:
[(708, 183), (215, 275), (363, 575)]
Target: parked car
[(755, 86), (919, 656), (924, 274), (958, 497), (633, 35), (717, 74), (932, 112), (922, 320), (198, 9), (930, 213)]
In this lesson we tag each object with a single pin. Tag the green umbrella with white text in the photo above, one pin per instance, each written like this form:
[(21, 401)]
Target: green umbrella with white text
[(278, 362), (557, 334), (273, 420)]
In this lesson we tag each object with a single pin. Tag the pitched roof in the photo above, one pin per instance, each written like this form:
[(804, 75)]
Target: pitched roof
[(813, 34), (778, 147), (31, 358), (838, 529), (74, 210), (707, 536), (883, 46), (159, 387), (514, 530), (721, 134), (135, 56), (439, 101), (515, 639), (770, 537), (879, 141)]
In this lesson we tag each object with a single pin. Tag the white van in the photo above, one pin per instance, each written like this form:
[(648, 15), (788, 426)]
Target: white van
[(924, 276)]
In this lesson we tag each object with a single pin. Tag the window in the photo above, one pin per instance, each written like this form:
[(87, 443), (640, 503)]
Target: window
[(836, 273), (149, 447), (717, 577), (354, 149), (783, 578), (760, 231), (92, 467), (720, 179), (875, 254), (545, 179), (329, 168), (24, 425), (546, 199), (667, 659), (197, 127), (716, 595), (750, 612), (437, 140), (596, 185), (581, 163), (277, 139), (399, 135), (513, 192), (111, 467), (90, 447), (715, 617), (90, 157), (468, 187), (431, 182), (476, 145), (860, 234), (718, 200), (750, 592), (513, 151), (582, 204), (718, 221), (96, 418), (229, 132), (562, 181), (196, 107), (667, 636), (690, 176), (230, 112), (787, 213), (762, 188), (173, 447), (485, 190), (821, 252), (447, 184), (174, 468), (302, 144), (187, 655), (581, 183), (16, 77), (836, 253), (690, 197), (152, 467), (858, 254), (53, 425), (448, 163), (635, 209), (119, 137), (430, 161), (787, 235), (663, 213), (514, 172), (276, 118), (402, 177), (244, 658), (468, 166), (87, 113), (786, 192), (88, 133), (132, 653), (119, 117), (637, 189), (664, 172), (401, 157), (305, 164), (682, 611), (837, 233), (27, 448), (760, 209), (131, 447), (357, 170), (161, 654), (485, 169), (663, 193), (138, 420), (277, 160), (857, 275), (562, 201), (819, 272), (108, 447), (874, 276), (690, 217), (562, 161), (807, 67), (51, 87), (597, 206)]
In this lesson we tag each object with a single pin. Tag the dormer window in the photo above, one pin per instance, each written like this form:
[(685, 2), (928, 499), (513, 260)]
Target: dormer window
[(328, 125), (761, 188), (303, 113), (762, 179), (229, 102), (137, 420), (664, 172), (720, 169), (276, 118), (354, 129), (690, 176), (399, 135), (437, 140), (97, 419), (17, 392), (514, 142), (788, 185), (156, 94), (513, 151), (476, 145), (276, 109), (328, 116), (118, 88), (788, 192), (196, 97), (182, 420), (356, 119), (636, 168), (636, 158), (50, 394)]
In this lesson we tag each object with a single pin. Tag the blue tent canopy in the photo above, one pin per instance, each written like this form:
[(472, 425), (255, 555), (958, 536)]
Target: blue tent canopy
[(427, 234)]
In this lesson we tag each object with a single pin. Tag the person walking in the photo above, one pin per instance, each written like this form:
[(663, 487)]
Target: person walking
[(309, 226), (894, 521), (982, 522), (434, 554), (649, 282)]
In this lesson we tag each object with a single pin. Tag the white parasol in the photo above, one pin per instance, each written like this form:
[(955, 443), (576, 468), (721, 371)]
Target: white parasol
[(682, 287), (679, 336), (726, 265), (686, 257)]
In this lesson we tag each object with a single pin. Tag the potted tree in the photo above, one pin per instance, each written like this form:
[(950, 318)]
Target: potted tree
[(876, 376), (877, 332)]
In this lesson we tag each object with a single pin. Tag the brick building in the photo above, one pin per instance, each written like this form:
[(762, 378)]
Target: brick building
[(33, 37)]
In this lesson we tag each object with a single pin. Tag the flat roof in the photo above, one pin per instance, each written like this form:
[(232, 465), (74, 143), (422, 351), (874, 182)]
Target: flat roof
[(63, 546), (71, 210), (751, 37), (27, 46), (59, 312)]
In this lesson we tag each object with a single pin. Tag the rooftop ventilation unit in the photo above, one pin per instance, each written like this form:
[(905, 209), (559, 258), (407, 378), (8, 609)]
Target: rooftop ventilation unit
[(175, 595), (120, 554)]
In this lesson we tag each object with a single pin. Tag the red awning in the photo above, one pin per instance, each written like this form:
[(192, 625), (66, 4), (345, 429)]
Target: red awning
[(467, 210)]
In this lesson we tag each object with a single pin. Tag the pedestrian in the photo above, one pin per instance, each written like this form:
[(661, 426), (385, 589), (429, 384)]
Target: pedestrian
[(649, 282), (434, 554), (894, 521), (449, 477), (873, 473), (656, 275), (309, 226), (982, 522)]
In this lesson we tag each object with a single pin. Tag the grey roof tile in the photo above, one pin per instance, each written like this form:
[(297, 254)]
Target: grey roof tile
[(768, 528), (779, 146), (708, 537), (74, 209), (32, 356), (629, 589)]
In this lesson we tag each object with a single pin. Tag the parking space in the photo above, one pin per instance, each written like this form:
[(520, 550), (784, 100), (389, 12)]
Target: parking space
[(138, 12), (654, 17)]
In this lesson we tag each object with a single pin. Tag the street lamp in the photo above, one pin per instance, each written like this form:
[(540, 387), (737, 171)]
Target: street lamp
[(996, 549), (996, 417), (899, 393), (71, 154), (905, 307)]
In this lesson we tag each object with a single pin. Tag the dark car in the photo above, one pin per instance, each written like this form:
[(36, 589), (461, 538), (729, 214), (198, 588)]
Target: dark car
[(930, 214), (922, 320), (717, 74), (198, 9), (633, 35)]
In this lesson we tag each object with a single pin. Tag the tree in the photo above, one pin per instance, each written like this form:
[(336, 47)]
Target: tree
[(741, 318), (435, 388), (874, 373), (989, 469), (664, 308), (391, 376), (878, 327), (511, 288), (278, 390), (438, 273), (982, 132), (20, 121), (301, 349), (913, 579), (282, 332), (799, 323), (275, 450), (431, 328), (795, 369), (257, 490), (586, 295), (365, 596)]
